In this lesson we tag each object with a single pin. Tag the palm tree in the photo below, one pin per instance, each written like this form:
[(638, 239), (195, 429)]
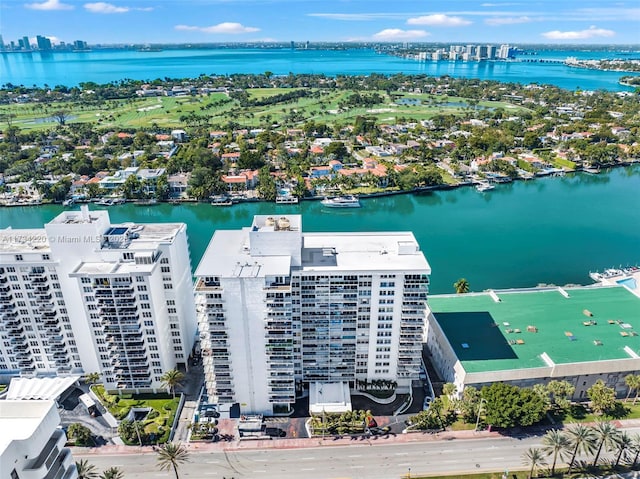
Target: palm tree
[(557, 444), (607, 435), (461, 286), (583, 440), (112, 473), (86, 470), (635, 447), (171, 455), (449, 389), (624, 443), (534, 457), (171, 379), (633, 382), (91, 378)]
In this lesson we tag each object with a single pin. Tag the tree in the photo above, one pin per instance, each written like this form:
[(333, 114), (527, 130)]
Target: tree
[(624, 444), (533, 457), (461, 286), (557, 444), (635, 448), (602, 397), (607, 435), (449, 389), (561, 393), (172, 378), (80, 434), (171, 455), (91, 378), (61, 116), (86, 470), (583, 440), (112, 473), (633, 383), (510, 406)]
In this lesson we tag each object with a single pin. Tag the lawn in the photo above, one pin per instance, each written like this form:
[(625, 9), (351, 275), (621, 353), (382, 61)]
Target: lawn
[(159, 420), (165, 112), (579, 413)]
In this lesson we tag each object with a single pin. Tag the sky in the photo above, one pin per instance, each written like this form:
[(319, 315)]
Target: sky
[(213, 21)]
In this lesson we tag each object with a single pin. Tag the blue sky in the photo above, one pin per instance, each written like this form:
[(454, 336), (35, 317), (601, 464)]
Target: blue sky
[(196, 21)]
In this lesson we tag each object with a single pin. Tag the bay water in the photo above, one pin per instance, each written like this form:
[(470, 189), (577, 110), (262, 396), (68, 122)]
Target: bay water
[(103, 66), (547, 230)]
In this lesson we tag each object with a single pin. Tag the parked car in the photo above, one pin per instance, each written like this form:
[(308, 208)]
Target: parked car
[(427, 403)]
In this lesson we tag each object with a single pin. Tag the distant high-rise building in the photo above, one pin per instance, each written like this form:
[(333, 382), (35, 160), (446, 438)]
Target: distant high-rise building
[(43, 43), (80, 45), (491, 52), (1, 42), (293, 45), (26, 44), (482, 52), (506, 51)]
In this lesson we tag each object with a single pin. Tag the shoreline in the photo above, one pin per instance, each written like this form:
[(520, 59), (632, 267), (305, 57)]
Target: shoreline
[(238, 200)]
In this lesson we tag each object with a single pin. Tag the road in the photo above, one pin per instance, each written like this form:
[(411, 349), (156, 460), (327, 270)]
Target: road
[(363, 461)]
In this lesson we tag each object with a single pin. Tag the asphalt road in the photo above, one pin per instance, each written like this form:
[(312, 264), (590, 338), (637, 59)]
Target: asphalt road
[(378, 461)]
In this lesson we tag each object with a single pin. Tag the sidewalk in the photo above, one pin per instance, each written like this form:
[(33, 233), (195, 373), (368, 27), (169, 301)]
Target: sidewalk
[(346, 440)]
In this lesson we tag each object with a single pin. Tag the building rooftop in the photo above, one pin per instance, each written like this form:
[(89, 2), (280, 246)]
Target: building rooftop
[(20, 419), (362, 251), (591, 324), (24, 240)]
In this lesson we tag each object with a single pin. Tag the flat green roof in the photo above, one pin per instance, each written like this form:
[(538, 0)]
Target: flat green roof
[(513, 333)]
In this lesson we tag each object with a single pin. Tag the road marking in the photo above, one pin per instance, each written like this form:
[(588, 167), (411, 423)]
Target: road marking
[(259, 470), (497, 458), (356, 455), (213, 462), (308, 469), (357, 467), (404, 465), (402, 453), (307, 458)]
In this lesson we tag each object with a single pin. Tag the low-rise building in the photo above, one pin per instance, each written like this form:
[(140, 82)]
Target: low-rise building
[(534, 336)]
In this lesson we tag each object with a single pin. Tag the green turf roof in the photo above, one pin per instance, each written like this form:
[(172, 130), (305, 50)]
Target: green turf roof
[(478, 321)]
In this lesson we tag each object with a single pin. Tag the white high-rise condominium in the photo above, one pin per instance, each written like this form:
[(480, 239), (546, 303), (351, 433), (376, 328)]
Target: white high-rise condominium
[(83, 295), (279, 309)]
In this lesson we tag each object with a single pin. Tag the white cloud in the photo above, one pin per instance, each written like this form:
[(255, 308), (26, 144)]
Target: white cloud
[(398, 34), (225, 27), (590, 32), (510, 4), (358, 16), (102, 7), (54, 40), (507, 20), (49, 5), (439, 20)]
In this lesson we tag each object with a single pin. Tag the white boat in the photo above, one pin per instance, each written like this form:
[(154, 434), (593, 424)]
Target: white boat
[(68, 202), (484, 186), (286, 200), (342, 202), (221, 201), (104, 202)]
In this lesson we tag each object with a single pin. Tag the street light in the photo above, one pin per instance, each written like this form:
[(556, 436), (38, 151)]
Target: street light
[(479, 410), (409, 474)]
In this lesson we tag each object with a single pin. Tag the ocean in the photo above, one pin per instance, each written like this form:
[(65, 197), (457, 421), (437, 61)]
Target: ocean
[(103, 66)]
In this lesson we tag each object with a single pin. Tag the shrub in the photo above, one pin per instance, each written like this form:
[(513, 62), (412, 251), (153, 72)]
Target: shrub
[(153, 414)]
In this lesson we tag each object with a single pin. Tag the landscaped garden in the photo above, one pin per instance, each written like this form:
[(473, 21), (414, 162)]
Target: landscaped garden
[(152, 418), (350, 422)]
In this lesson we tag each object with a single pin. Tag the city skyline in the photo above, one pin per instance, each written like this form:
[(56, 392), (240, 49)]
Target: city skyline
[(170, 21)]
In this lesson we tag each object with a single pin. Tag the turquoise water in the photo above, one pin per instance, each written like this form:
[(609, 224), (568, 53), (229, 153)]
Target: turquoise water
[(548, 230), (103, 66)]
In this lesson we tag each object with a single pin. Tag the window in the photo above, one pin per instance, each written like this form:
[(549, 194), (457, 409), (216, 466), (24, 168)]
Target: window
[(45, 257), (19, 257)]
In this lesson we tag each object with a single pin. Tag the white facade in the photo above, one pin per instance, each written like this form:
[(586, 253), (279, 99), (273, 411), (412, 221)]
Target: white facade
[(123, 296), (31, 445), (279, 309)]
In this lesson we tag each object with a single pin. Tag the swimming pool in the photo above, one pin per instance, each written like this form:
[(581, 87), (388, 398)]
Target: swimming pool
[(628, 282)]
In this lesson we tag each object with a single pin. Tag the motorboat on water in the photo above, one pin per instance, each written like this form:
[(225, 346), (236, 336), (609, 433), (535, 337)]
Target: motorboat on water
[(342, 202), (484, 186)]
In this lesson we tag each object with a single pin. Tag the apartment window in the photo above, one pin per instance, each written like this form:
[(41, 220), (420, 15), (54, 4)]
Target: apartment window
[(19, 257), (177, 341), (146, 314), (11, 269), (164, 261), (175, 333), (148, 323), (173, 326), (142, 287), (165, 269), (13, 278), (85, 280), (140, 279), (153, 348), (172, 302), (172, 311), (168, 286)]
